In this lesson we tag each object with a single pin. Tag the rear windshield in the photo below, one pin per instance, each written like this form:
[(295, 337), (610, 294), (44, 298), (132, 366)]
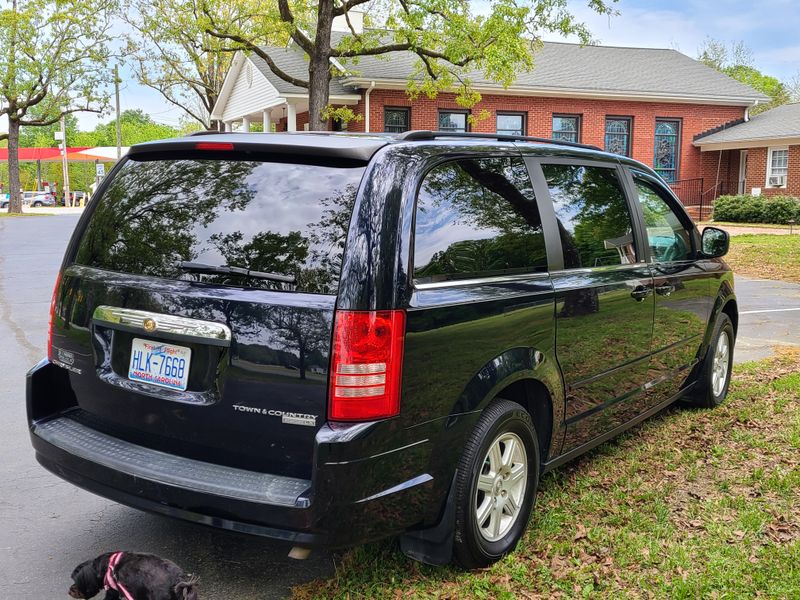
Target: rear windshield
[(282, 218)]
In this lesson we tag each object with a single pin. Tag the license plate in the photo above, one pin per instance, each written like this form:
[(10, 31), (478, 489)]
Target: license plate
[(161, 364)]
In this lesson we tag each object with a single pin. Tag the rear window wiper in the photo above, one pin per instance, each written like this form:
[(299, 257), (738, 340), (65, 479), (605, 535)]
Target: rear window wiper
[(193, 267)]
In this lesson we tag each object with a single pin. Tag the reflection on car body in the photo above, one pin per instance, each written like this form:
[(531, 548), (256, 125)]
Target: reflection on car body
[(419, 326)]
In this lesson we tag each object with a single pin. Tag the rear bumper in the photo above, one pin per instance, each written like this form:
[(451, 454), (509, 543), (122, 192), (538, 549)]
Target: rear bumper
[(354, 496)]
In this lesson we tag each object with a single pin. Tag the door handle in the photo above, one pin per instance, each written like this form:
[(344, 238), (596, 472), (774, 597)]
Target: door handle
[(640, 292), (665, 290)]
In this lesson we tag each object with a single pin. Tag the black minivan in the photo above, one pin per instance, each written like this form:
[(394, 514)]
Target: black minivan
[(329, 339)]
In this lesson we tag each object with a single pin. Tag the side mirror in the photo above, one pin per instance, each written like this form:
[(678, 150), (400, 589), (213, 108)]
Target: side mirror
[(715, 242)]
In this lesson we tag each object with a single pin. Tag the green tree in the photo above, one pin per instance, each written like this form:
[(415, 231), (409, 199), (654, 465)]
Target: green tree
[(137, 127), (44, 136), (449, 38), (171, 55), (52, 58), (736, 61)]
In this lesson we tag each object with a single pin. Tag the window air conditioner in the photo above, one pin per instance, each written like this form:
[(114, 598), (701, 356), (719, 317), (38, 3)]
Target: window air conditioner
[(777, 180)]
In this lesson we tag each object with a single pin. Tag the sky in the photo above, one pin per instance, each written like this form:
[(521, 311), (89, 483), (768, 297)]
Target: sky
[(768, 27)]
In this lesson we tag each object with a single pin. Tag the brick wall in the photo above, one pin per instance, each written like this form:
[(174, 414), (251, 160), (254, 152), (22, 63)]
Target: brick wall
[(719, 172), (539, 112), (757, 173)]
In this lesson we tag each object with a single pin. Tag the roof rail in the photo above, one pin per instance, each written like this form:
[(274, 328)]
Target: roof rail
[(422, 135)]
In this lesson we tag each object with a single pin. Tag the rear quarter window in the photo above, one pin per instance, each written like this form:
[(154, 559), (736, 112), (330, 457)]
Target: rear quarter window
[(477, 218), (274, 217)]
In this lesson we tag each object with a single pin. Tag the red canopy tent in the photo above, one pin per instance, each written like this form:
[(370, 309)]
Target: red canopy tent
[(83, 154), (47, 154)]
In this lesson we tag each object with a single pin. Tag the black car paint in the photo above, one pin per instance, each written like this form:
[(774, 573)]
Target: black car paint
[(370, 480)]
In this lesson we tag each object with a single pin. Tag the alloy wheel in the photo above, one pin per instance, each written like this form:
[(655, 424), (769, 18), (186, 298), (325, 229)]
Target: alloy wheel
[(501, 486), (719, 371)]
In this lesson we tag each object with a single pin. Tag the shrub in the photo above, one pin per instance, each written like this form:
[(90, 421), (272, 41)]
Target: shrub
[(757, 209), (781, 209)]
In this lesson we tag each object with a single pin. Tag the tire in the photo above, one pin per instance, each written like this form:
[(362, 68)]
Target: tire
[(505, 427), (37, 204), (715, 374)]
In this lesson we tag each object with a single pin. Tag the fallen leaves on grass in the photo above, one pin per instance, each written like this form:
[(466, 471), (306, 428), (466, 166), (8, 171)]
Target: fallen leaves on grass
[(692, 504)]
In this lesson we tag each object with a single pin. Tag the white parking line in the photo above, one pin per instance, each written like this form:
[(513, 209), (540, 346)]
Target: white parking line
[(771, 310)]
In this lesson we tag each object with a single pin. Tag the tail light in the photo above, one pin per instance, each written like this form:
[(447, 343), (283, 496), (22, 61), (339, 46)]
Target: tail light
[(52, 317), (366, 365)]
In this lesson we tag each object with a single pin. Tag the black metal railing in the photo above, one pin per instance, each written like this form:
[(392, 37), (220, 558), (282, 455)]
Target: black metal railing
[(690, 191), (693, 193)]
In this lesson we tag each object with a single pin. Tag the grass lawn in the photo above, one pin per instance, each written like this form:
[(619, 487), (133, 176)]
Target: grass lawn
[(692, 504), (766, 256)]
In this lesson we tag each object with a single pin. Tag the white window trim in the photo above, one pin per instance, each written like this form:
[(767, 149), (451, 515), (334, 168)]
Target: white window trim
[(770, 151)]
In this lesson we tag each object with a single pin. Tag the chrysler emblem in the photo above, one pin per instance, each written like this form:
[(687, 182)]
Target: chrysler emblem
[(149, 325)]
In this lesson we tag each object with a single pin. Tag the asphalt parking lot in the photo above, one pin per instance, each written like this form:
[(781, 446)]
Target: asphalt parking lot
[(48, 526)]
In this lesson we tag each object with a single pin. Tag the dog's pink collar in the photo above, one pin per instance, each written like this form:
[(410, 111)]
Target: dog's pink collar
[(110, 581)]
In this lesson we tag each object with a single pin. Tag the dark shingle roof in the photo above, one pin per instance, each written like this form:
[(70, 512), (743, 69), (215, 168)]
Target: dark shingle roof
[(780, 122), (560, 67)]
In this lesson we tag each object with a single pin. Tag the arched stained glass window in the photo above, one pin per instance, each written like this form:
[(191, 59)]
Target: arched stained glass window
[(665, 152), (618, 135)]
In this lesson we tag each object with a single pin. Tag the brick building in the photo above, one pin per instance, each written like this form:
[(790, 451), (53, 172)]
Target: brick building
[(650, 104), (759, 156)]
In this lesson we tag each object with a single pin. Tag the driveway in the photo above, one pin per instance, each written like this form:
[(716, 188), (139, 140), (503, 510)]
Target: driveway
[(769, 316), (752, 229), (48, 526)]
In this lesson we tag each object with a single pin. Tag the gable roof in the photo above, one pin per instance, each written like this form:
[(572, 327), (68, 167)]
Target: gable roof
[(561, 69), (572, 69), (780, 124)]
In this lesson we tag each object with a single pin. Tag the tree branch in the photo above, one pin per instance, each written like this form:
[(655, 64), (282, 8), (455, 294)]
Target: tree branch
[(298, 36), (51, 121), (251, 47), (347, 6)]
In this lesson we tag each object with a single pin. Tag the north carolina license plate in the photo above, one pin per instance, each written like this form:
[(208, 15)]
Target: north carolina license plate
[(161, 364)]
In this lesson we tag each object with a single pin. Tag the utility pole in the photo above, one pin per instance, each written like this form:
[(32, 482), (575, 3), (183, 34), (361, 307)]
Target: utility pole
[(64, 163), (119, 123)]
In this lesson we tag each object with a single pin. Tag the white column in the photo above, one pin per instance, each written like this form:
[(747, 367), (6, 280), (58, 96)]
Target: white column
[(291, 117), (267, 120), (246, 124), (226, 126)]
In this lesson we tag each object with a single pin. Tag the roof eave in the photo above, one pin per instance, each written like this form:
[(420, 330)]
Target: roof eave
[(639, 96), (762, 142), (343, 98)]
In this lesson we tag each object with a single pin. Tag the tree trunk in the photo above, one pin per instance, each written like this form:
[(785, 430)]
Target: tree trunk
[(319, 68), (15, 204)]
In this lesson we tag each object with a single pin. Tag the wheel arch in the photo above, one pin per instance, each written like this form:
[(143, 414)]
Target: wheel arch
[(536, 399), (731, 308), (527, 376), (724, 302)]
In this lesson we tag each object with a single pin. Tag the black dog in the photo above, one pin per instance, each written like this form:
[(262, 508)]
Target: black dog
[(132, 576)]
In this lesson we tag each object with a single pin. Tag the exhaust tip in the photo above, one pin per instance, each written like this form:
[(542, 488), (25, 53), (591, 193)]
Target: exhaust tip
[(299, 553)]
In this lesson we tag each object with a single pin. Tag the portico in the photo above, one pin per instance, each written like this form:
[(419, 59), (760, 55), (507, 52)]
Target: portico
[(253, 94)]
